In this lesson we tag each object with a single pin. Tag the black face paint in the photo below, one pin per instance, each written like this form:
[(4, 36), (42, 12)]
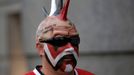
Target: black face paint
[(58, 65), (61, 41)]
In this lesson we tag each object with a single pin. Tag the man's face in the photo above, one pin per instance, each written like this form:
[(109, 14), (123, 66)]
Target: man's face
[(62, 52), (61, 42)]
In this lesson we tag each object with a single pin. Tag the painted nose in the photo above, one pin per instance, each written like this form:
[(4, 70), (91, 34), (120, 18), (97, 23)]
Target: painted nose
[(70, 48), (69, 45)]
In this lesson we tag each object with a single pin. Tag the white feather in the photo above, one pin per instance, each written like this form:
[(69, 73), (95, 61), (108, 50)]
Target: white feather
[(53, 7)]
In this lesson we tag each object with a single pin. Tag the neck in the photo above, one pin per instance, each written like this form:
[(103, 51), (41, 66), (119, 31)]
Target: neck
[(48, 70)]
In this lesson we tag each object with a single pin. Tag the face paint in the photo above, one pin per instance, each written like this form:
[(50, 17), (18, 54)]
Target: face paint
[(68, 68), (66, 55), (60, 38), (68, 65)]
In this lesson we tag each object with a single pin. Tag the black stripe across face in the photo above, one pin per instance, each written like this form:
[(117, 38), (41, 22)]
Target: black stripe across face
[(61, 41)]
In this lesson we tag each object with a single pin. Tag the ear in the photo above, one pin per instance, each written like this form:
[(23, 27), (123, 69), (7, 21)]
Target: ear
[(40, 48)]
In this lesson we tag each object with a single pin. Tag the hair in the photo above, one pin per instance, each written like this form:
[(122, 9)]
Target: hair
[(59, 11)]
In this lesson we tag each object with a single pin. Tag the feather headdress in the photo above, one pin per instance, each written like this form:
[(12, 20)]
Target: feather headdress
[(56, 23), (58, 10)]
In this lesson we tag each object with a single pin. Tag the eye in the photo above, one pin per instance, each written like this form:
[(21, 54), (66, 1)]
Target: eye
[(58, 41), (61, 41), (75, 40)]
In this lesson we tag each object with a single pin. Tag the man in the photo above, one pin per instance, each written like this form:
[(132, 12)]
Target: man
[(57, 42)]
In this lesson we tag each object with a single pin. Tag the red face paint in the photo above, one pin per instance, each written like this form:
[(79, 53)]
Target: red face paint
[(66, 54)]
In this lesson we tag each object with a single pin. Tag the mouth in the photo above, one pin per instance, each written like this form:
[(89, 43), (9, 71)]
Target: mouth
[(71, 56), (68, 58)]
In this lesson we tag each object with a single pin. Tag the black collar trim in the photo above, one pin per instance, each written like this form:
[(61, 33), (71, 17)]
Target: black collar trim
[(37, 70)]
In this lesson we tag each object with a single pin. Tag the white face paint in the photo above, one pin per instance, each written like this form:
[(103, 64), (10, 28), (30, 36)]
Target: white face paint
[(53, 7), (55, 56), (68, 68)]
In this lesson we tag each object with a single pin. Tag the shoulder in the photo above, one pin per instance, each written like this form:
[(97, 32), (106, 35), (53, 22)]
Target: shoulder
[(30, 73), (83, 72)]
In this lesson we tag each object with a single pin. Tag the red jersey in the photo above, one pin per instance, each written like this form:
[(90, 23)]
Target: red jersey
[(37, 71)]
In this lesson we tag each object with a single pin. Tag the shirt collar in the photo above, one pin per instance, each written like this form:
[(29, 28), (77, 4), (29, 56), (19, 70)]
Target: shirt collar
[(37, 70)]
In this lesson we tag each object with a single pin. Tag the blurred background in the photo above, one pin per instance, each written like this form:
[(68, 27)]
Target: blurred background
[(106, 29)]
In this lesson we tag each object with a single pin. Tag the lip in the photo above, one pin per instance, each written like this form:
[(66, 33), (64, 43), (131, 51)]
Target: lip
[(68, 59)]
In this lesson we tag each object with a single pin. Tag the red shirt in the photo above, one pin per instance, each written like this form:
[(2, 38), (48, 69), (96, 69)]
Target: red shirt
[(37, 71)]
